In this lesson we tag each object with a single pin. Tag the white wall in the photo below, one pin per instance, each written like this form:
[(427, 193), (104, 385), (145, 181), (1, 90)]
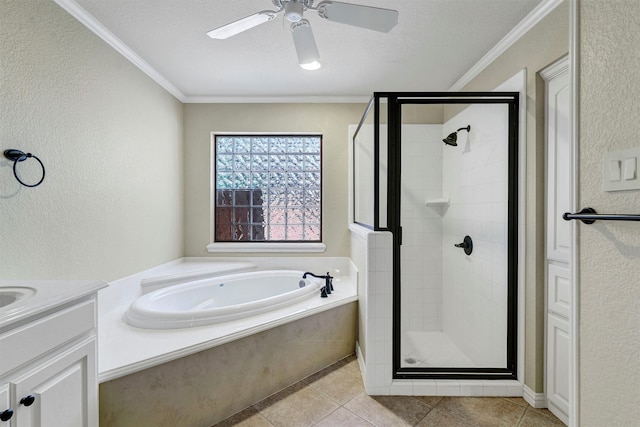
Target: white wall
[(111, 141), (609, 252), (475, 177), (331, 120)]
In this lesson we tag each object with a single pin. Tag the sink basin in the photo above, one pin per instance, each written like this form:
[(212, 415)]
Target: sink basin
[(11, 295)]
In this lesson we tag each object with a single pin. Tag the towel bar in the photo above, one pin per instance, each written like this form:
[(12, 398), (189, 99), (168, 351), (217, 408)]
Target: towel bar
[(589, 216)]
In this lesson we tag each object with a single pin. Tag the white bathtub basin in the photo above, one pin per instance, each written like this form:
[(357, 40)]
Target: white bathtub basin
[(220, 299)]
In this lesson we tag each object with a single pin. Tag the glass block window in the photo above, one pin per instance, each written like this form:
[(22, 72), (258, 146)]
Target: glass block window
[(268, 188)]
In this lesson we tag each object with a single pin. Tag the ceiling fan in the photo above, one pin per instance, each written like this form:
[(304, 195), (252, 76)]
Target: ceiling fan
[(372, 18)]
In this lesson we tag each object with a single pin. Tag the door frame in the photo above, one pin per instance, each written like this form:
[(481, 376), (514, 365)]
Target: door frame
[(574, 135), (574, 256)]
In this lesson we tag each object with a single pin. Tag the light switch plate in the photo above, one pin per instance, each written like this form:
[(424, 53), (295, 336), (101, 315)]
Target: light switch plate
[(619, 170)]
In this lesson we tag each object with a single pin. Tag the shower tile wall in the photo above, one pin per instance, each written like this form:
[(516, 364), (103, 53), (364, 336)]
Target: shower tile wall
[(372, 252), (421, 264), (475, 286)]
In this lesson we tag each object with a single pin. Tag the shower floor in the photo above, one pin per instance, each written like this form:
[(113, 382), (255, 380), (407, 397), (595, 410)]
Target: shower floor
[(432, 349)]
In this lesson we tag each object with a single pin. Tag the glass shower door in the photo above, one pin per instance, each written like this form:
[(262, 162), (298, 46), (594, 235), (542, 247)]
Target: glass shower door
[(454, 288)]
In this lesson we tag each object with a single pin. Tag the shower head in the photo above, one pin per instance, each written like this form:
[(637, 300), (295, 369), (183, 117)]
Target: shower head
[(452, 139)]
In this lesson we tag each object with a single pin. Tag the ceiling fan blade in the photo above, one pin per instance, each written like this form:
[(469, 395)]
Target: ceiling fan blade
[(306, 48), (372, 18), (241, 25)]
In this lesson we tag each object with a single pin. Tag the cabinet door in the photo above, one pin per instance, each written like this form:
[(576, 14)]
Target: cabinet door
[(64, 388), (5, 403), (558, 366)]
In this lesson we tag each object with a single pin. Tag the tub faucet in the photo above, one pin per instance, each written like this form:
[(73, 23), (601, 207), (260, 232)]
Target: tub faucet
[(328, 283)]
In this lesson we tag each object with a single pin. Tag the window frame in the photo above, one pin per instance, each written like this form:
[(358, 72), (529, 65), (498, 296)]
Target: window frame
[(260, 246)]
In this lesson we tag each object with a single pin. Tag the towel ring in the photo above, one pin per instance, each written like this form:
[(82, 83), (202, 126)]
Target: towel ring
[(18, 156)]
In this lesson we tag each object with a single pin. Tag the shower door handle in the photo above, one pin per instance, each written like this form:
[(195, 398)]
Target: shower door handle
[(467, 245)]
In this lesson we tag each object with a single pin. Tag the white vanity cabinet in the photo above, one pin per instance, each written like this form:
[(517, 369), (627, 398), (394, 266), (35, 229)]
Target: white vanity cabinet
[(5, 404), (48, 369)]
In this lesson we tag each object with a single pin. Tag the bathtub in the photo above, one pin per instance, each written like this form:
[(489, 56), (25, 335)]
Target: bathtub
[(148, 348), (218, 363), (220, 299)]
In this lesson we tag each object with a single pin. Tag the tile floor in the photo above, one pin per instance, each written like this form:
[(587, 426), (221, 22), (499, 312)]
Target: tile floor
[(335, 397)]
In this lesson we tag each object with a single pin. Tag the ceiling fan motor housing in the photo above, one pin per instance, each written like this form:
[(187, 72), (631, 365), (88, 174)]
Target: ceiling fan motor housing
[(293, 9)]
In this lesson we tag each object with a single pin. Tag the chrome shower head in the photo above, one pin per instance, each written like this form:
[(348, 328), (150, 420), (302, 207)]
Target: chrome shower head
[(452, 139)]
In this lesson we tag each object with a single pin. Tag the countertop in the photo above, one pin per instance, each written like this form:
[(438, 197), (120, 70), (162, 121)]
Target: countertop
[(48, 294)]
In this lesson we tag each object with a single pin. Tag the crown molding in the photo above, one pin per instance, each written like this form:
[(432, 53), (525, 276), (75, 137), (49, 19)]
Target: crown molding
[(354, 99), (535, 16), (101, 31)]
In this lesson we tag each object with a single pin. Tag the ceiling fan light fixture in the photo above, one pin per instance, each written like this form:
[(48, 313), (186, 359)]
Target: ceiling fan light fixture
[(308, 56), (311, 66), (293, 10)]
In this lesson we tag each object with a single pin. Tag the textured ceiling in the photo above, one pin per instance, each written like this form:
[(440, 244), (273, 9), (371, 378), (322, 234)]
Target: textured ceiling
[(433, 45)]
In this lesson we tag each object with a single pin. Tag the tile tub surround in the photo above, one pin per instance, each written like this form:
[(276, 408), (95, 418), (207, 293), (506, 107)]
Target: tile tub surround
[(147, 348), (206, 387), (474, 287), (421, 262)]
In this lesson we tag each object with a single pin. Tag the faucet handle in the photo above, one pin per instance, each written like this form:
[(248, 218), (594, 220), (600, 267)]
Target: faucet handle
[(323, 292), (329, 281)]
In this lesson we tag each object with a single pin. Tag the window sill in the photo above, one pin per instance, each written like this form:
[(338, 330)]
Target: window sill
[(266, 247)]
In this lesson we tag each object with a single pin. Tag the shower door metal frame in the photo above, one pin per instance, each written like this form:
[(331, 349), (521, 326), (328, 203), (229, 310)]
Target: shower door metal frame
[(395, 101), (374, 103)]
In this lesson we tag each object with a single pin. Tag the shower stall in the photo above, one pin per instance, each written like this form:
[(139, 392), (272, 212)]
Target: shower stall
[(439, 172)]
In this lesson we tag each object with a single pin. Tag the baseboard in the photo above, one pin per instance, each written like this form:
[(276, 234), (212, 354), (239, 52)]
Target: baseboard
[(537, 400), (363, 370)]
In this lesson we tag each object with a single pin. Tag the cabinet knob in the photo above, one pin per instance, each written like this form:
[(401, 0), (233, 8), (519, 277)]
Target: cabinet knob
[(28, 400), (6, 415)]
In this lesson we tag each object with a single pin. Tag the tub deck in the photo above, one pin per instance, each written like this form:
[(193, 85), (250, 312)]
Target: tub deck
[(124, 349)]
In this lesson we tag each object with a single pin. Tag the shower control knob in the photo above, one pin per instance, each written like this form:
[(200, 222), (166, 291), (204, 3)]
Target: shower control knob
[(467, 245)]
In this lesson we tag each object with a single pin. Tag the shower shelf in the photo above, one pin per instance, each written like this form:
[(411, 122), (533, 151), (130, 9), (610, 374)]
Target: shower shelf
[(437, 201)]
